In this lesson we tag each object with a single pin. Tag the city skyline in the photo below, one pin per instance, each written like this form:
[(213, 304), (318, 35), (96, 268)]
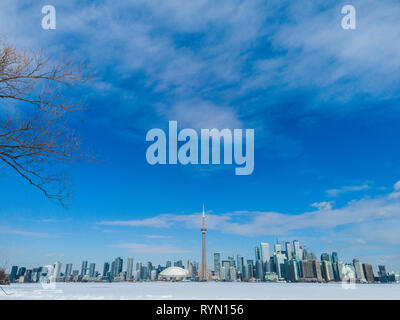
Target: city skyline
[(293, 264)]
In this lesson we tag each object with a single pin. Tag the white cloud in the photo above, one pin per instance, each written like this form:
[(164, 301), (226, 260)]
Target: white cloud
[(156, 236), (338, 191), (323, 205), (149, 248), (396, 192), (19, 232), (375, 219)]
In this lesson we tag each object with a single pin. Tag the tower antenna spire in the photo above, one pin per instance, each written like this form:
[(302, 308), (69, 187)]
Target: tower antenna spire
[(203, 275)]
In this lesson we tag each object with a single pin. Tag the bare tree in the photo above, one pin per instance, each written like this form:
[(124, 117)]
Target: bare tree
[(35, 140), (4, 279)]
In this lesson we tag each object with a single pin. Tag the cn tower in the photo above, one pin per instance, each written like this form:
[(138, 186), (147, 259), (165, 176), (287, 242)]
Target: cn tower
[(203, 276)]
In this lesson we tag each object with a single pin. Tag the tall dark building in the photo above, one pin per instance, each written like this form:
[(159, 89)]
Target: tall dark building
[(106, 268), (116, 267), (84, 268), (383, 274), (311, 270), (368, 272), (13, 274)]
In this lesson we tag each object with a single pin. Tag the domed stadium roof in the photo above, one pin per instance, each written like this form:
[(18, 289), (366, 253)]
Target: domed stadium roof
[(174, 272)]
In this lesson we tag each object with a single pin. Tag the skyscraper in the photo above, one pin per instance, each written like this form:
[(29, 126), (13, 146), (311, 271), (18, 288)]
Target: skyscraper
[(359, 270), (13, 275), (217, 265), (265, 256), (383, 275), (57, 269), (203, 276), (129, 268), (92, 270), (116, 267), (264, 251), (84, 268), (257, 253), (259, 270), (240, 264), (106, 268), (288, 250), (369, 273), (297, 251), (68, 269)]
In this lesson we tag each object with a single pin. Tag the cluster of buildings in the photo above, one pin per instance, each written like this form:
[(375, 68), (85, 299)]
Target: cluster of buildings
[(287, 262), (291, 263)]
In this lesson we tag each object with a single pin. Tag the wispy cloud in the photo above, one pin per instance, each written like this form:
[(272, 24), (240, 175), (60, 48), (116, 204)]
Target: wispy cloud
[(323, 205), (396, 191), (344, 189), (157, 236), (369, 218), (149, 248), (19, 232), (211, 57)]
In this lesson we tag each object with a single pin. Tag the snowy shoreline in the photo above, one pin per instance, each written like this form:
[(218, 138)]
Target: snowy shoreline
[(200, 290)]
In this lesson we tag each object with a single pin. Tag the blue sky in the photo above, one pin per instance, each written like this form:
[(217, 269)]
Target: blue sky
[(323, 102)]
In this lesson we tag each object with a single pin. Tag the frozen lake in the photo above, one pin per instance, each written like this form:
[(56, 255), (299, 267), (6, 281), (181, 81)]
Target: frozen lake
[(201, 290)]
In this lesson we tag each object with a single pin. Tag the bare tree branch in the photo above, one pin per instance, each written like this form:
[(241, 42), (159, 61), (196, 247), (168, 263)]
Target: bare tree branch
[(35, 142)]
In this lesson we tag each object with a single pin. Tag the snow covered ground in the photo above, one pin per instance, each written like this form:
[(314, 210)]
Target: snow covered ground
[(201, 290)]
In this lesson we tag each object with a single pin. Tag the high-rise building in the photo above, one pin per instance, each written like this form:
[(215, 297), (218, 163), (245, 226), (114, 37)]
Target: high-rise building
[(217, 265), (259, 270), (383, 275), (335, 257), (292, 270), (265, 252), (203, 276), (327, 270), (265, 256), (279, 261), (257, 254), (129, 268), (297, 252), (13, 274), (359, 270), (116, 267), (232, 274), (168, 264), (226, 265), (240, 263), (68, 269), (84, 268), (250, 269), (92, 270), (106, 269), (310, 270), (57, 269), (369, 273), (288, 250)]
